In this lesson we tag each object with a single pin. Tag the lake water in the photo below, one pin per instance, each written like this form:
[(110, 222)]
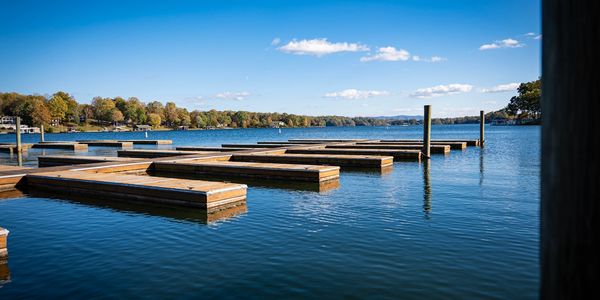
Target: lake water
[(466, 227)]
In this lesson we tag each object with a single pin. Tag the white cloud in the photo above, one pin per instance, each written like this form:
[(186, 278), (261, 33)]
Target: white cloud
[(533, 35), (275, 41), (432, 59), (320, 47), (388, 54), (509, 87), (537, 37), (506, 43), (441, 90), (354, 94), (232, 96)]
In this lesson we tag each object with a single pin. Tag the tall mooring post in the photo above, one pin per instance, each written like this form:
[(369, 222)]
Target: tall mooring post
[(569, 213), (18, 134), (42, 133), (426, 131), (481, 127)]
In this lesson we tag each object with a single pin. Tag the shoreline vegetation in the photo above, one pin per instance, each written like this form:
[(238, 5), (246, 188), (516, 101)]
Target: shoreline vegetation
[(61, 112)]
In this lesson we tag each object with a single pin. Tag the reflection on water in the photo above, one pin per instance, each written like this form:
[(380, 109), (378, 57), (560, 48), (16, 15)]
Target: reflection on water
[(481, 170), (4, 272), (426, 189), (195, 215)]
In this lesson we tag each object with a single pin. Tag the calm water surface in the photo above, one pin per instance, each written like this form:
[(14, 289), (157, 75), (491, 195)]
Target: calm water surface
[(466, 227)]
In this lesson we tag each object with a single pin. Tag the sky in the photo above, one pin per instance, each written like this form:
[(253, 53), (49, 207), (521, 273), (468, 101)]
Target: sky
[(351, 58)]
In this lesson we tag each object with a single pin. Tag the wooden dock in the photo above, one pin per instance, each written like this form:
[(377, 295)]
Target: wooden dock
[(61, 145), (181, 192), (469, 142), (107, 143), (149, 142), (453, 145), (357, 161), (12, 148), (310, 173), (440, 149), (176, 173), (414, 155)]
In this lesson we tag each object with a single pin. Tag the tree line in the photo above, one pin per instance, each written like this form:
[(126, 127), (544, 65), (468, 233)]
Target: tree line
[(63, 108)]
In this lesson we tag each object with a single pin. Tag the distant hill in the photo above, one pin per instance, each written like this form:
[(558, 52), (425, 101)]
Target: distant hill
[(399, 118)]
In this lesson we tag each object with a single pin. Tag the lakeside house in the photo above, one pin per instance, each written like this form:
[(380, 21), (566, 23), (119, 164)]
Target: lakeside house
[(277, 124), (142, 128)]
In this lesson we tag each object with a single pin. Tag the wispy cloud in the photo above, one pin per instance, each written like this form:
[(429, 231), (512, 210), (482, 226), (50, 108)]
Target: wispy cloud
[(232, 95), (432, 59), (320, 47), (441, 90), (392, 54), (509, 87), (506, 43), (275, 41), (353, 94), (533, 35), (388, 54)]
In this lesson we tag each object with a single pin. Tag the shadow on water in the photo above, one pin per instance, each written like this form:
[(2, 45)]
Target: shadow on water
[(188, 214), (426, 189), (265, 183)]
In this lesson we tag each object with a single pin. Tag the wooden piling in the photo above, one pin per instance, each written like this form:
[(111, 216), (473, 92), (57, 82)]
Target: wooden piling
[(18, 134), (427, 131), (42, 133), (481, 127)]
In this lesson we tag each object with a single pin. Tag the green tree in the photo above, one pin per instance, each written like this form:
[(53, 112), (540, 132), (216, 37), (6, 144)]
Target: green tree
[(154, 120), (527, 102), (103, 108), (57, 105), (171, 115)]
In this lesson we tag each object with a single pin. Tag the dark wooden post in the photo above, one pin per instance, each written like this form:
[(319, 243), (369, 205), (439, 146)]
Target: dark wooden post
[(18, 134), (570, 206), (481, 127), (426, 131)]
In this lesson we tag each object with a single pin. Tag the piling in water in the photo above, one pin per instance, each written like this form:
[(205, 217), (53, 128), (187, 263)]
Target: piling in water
[(427, 131), (3, 250), (42, 133), (481, 127)]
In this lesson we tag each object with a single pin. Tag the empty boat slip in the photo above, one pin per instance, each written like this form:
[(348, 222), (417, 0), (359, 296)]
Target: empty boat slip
[(309, 173), (132, 188), (65, 160), (364, 161), (453, 145), (156, 153), (203, 148)]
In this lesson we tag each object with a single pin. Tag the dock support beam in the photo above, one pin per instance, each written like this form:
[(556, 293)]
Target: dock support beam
[(481, 127), (42, 133), (570, 210), (427, 131)]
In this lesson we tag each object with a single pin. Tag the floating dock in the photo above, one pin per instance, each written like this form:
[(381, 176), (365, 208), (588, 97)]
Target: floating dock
[(251, 146), (443, 149), (61, 145), (310, 173), (469, 142), (106, 143), (397, 154), (357, 161), (181, 192), (12, 148), (453, 145), (149, 142)]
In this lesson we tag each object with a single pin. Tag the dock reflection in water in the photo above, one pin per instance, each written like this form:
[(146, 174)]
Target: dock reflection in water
[(426, 189), (188, 214)]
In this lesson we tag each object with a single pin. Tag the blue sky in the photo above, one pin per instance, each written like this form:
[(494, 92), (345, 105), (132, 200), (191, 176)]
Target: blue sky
[(353, 58)]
